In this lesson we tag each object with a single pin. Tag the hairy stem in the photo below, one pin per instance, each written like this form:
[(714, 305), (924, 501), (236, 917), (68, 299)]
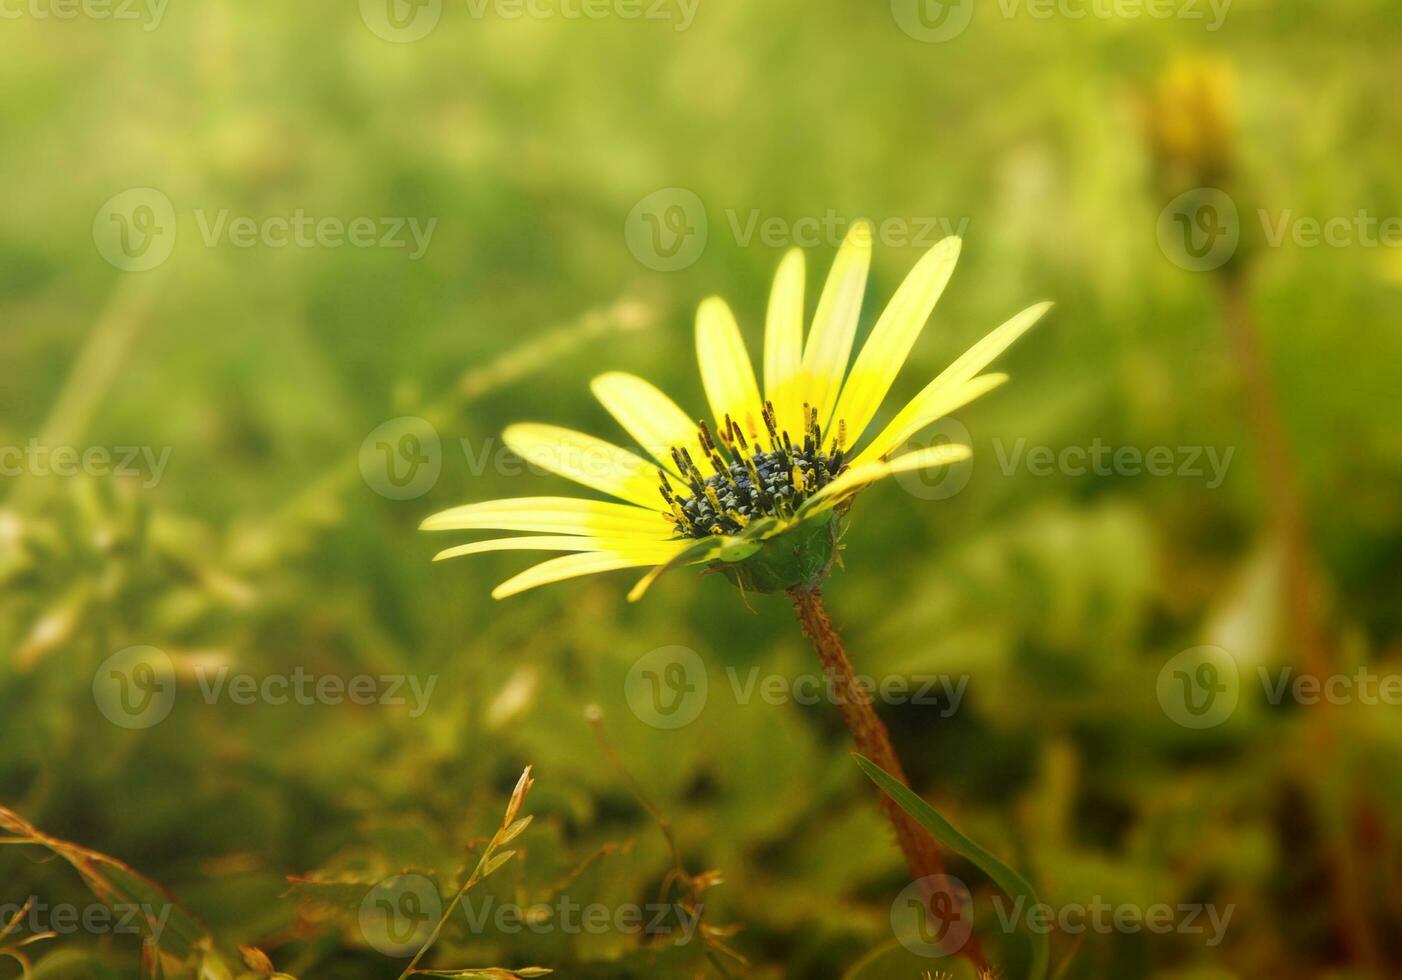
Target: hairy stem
[(922, 856)]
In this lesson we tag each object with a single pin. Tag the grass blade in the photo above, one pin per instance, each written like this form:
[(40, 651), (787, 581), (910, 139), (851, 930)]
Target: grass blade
[(1012, 883)]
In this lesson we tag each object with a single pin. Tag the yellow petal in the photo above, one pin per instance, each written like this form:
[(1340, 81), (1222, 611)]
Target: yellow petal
[(536, 542), (891, 339), (956, 385), (783, 343), (860, 477), (553, 515), (586, 460), (835, 322), (571, 566), (700, 550), (726, 372), (931, 405), (650, 417), (629, 546), (979, 356)]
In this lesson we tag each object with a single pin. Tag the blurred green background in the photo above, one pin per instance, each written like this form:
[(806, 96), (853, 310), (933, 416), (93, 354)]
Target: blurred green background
[(537, 146)]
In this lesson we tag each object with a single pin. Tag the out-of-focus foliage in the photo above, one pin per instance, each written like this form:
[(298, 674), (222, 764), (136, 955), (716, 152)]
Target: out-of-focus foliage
[(261, 549)]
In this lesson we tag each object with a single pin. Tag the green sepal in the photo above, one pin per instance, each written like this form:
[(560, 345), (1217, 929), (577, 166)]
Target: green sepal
[(799, 555)]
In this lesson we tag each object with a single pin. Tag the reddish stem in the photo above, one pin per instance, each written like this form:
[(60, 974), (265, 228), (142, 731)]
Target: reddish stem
[(922, 856)]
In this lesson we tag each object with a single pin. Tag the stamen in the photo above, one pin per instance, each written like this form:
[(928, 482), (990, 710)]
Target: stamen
[(739, 436), (705, 432), (750, 482)]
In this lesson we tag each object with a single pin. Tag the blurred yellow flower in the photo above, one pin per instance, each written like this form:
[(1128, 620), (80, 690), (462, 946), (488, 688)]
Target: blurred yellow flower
[(1191, 117), (759, 494)]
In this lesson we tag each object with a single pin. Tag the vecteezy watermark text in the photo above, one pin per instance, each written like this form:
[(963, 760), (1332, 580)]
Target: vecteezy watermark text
[(657, 920), (1201, 687), (406, 21), (403, 459), (670, 686), (301, 230), (939, 690), (136, 687), (121, 918), (1101, 459), (936, 21), (38, 459), (397, 916), (1098, 915), (1364, 686), (149, 13), (830, 228), (1214, 12), (668, 229), (1201, 229), (682, 12), (1362, 230), (136, 230), (301, 687), (933, 916)]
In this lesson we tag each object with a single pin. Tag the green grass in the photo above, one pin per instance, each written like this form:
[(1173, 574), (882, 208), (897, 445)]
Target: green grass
[(263, 550)]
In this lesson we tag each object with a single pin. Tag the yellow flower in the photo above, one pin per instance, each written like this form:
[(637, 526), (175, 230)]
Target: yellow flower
[(757, 492)]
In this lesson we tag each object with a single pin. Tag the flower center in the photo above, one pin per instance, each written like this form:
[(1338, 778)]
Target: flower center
[(750, 482)]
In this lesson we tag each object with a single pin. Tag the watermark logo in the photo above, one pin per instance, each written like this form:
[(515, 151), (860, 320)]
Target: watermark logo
[(135, 230), (135, 687), (933, 21), (1200, 687), (1199, 230), (933, 916), (667, 230), (402, 458), (398, 915), (939, 482), (667, 687), (401, 21)]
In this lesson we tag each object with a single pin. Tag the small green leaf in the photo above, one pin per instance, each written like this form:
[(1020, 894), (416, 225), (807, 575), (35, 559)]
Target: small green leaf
[(1012, 883), (497, 861), (511, 833)]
